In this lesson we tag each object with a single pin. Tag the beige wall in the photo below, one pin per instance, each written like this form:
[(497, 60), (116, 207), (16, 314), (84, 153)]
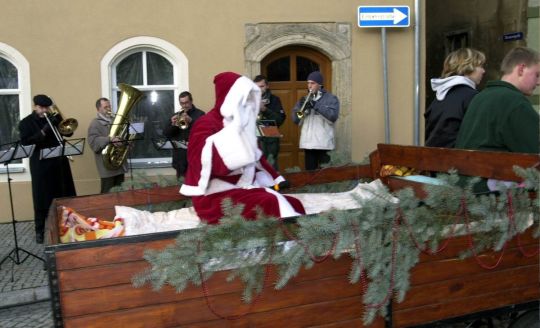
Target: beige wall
[(65, 40)]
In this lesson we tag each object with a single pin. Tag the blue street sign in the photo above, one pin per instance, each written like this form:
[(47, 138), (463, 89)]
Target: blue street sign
[(383, 16), (513, 36)]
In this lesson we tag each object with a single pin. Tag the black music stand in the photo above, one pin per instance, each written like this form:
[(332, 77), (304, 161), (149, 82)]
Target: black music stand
[(70, 147), (15, 151), (168, 144)]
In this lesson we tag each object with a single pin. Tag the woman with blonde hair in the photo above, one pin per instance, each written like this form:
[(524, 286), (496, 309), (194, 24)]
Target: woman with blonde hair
[(463, 70)]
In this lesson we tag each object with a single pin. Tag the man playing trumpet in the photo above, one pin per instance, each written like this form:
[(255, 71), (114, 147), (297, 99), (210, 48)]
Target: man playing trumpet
[(51, 177), (178, 130), (316, 114)]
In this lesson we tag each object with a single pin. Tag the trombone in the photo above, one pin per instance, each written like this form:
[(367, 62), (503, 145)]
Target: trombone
[(303, 110), (66, 127)]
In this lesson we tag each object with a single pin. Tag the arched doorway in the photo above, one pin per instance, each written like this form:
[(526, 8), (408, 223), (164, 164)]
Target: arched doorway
[(287, 69)]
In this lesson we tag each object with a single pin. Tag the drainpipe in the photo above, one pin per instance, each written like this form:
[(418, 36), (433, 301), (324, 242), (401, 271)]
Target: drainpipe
[(417, 29)]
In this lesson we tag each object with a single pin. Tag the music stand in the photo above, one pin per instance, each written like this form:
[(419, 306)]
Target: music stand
[(15, 151), (70, 147), (168, 144)]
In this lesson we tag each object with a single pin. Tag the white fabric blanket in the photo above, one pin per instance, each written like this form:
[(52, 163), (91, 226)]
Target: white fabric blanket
[(141, 222)]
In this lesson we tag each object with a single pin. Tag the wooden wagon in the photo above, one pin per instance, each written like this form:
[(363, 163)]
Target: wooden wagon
[(90, 281)]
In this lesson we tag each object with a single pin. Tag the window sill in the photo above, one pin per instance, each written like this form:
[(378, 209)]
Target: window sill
[(3, 170)]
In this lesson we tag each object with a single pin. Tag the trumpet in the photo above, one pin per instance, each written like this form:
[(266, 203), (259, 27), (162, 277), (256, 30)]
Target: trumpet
[(67, 126), (181, 121), (303, 110)]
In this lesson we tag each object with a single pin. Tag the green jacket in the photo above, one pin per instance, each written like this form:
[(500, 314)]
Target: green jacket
[(500, 118)]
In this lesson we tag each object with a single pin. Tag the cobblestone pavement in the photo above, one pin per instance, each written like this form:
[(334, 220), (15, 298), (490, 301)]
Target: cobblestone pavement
[(24, 290), (36, 315)]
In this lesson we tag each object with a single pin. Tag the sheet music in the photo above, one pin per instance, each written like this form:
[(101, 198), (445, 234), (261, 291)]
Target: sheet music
[(135, 128), (74, 147), (7, 154), (24, 151), (51, 152)]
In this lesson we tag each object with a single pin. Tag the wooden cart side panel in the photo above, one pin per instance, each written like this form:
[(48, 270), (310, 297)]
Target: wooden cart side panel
[(87, 300), (119, 252), (439, 310), (227, 299), (496, 165), (197, 314), (121, 273), (462, 287), (425, 273)]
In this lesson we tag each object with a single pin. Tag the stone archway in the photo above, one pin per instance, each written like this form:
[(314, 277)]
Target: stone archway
[(332, 39)]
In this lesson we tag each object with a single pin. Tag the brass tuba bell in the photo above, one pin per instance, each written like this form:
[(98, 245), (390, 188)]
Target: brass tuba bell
[(67, 126), (114, 156)]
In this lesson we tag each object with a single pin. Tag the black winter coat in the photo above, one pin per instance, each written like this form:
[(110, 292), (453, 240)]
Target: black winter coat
[(51, 178), (443, 118)]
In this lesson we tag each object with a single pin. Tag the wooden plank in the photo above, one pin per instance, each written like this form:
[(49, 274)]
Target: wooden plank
[(428, 272), (117, 253), (114, 297), (496, 165), (295, 298), (440, 310), (341, 313), (462, 287), (121, 273)]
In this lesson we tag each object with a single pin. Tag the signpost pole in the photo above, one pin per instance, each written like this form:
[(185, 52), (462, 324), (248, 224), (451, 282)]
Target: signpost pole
[(383, 17), (385, 87)]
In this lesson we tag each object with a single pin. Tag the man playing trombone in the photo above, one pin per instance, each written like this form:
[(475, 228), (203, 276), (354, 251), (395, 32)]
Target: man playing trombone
[(316, 114), (51, 177)]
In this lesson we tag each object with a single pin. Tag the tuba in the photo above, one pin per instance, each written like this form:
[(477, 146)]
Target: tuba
[(67, 126), (113, 156)]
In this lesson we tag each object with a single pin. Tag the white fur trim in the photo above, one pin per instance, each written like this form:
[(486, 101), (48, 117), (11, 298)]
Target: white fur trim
[(285, 208), (234, 147)]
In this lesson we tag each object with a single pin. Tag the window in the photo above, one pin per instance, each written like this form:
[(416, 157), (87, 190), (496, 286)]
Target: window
[(159, 71), (14, 90)]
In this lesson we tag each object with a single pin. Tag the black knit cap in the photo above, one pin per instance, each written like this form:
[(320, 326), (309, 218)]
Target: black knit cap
[(315, 76), (42, 100)]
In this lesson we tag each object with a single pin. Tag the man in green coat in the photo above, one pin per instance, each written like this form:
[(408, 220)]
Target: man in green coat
[(501, 118)]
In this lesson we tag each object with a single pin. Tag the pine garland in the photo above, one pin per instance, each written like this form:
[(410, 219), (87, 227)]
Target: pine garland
[(383, 239)]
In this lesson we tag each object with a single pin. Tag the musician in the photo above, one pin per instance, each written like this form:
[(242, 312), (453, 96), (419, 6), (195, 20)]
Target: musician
[(178, 132), (98, 139), (51, 177), (271, 112), (320, 112), (225, 161)]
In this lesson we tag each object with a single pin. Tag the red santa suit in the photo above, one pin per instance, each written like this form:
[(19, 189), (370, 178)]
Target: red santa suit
[(225, 161)]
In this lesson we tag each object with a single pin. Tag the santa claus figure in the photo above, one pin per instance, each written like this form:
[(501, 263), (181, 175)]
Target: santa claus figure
[(225, 161)]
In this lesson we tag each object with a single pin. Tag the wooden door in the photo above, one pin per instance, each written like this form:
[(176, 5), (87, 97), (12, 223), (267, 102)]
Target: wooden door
[(287, 69)]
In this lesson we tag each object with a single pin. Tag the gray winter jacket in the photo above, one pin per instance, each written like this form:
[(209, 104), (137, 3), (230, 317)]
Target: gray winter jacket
[(317, 127)]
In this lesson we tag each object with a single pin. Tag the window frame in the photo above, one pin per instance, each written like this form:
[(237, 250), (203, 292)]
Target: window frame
[(180, 79), (25, 105)]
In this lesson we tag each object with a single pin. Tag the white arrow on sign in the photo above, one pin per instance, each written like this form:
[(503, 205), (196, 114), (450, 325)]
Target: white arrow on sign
[(396, 16)]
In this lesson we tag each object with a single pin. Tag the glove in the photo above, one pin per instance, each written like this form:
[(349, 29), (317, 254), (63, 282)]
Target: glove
[(282, 185), (55, 119)]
